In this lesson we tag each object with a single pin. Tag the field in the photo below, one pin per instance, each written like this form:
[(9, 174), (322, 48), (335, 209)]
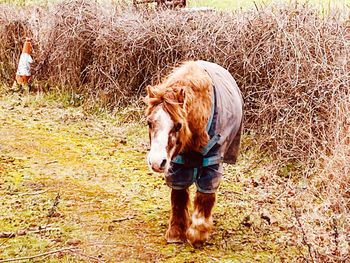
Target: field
[(74, 183), (80, 181)]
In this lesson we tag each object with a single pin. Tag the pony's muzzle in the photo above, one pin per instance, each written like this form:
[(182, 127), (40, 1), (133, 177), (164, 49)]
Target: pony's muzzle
[(159, 168), (158, 165)]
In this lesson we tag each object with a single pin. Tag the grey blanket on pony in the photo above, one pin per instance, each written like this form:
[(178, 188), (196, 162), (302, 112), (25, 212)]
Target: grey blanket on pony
[(225, 128)]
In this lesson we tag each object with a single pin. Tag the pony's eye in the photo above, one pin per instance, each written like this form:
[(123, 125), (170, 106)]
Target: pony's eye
[(178, 127), (149, 124)]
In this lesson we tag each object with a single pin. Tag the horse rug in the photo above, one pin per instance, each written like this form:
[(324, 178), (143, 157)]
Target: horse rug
[(204, 168)]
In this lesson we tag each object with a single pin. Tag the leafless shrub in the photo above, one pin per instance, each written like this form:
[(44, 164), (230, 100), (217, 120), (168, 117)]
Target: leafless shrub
[(291, 63), (13, 24), (288, 60), (326, 205)]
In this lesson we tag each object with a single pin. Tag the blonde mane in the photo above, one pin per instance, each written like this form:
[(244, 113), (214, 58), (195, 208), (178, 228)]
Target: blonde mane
[(186, 95)]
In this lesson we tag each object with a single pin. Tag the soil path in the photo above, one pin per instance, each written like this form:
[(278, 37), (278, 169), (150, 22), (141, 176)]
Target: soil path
[(109, 207)]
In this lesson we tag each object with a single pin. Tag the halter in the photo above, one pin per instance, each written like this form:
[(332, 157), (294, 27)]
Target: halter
[(199, 159)]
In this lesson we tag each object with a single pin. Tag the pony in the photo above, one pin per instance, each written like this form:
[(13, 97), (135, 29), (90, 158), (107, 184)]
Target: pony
[(195, 118)]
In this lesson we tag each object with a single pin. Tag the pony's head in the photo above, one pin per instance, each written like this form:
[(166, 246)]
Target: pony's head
[(178, 111), (168, 127)]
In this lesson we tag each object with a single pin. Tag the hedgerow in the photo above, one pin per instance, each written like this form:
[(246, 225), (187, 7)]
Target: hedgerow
[(291, 63)]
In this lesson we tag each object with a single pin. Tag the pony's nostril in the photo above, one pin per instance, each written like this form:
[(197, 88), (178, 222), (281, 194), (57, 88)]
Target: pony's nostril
[(163, 163)]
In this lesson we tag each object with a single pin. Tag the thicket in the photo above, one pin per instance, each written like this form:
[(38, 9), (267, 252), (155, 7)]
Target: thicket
[(291, 63)]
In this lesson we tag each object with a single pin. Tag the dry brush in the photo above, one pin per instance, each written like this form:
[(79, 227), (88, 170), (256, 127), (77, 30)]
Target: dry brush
[(291, 63)]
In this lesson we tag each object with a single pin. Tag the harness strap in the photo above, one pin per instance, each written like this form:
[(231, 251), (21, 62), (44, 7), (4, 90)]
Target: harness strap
[(178, 159), (216, 159), (206, 161), (212, 110), (206, 148)]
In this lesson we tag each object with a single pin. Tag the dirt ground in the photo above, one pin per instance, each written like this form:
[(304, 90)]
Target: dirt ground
[(78, 183)]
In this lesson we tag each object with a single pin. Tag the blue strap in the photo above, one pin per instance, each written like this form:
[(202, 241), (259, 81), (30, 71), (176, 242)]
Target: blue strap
[(206, 148), (195, 173), (216, 159), (179, 159), (212, 109)]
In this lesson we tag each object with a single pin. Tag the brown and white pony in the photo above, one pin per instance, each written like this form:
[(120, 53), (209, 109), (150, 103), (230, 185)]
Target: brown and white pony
[(178, 112)]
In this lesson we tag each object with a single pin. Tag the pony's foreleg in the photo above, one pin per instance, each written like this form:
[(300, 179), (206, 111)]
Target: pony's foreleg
[(199, 231), (179, 218)]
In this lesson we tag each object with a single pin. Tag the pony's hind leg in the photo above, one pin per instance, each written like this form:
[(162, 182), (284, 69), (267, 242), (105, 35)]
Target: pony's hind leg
[(199, 231), (179, 218)]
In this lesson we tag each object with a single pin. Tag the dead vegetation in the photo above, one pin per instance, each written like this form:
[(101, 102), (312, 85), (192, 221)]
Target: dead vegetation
[(291, 63)]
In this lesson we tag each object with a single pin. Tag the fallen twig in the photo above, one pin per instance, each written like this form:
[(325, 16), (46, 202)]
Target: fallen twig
[(3, 242), (50, 162), (52, 210), (7, 235), (305, 241), (123, 219), (44, 230), (38, 255), (25, 232), (336, 237), (33, 193)]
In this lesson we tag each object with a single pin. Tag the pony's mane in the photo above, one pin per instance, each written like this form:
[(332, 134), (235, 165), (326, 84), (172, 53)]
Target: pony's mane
[(186, 95)]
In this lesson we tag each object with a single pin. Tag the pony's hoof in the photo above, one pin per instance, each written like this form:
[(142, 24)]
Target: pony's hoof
[(175, 235), (197, 238)]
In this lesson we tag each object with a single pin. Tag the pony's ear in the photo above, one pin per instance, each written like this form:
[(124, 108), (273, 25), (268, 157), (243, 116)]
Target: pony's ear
[(150, 93), (181, 94), (149, 96)]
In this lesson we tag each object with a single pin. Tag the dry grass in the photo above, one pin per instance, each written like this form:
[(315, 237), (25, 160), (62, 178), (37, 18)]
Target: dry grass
[(291, 64), (96, 163), (288, 61)]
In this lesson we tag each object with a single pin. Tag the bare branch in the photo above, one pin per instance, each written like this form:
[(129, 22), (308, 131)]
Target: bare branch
[(38, 255)]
